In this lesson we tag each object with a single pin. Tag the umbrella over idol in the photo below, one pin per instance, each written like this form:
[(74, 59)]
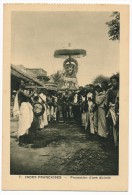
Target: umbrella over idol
[(70, 66)]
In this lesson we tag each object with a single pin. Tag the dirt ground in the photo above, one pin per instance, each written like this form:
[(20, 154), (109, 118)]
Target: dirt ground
[(62, 149)]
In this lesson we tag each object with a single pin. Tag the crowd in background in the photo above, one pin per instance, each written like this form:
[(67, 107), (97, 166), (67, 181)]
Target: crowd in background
[(95, 108)]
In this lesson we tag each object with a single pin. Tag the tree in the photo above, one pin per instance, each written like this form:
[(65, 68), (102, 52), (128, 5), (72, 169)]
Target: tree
[(114, 27), (100, 79), (57, 76)]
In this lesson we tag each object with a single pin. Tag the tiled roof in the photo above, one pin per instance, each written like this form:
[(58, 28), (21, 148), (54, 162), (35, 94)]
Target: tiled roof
[(19, 71)]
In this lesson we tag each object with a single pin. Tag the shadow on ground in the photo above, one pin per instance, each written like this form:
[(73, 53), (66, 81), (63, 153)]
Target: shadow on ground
[(62, 149)]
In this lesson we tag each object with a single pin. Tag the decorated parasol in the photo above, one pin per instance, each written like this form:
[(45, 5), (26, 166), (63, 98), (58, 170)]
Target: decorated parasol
[(69, 53), (70, 65)]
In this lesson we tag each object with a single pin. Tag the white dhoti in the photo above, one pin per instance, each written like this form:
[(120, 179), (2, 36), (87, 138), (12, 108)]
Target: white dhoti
[(91, 122), (84, 119), (91, 118), (43, 119), (25, 118), (45, 116), (102, 126)]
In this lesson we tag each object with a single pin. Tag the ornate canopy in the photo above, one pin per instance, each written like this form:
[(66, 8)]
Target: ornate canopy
[(67, 53)]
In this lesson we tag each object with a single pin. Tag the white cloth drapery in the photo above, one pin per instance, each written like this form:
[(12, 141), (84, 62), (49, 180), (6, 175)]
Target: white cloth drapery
[(25, 118)]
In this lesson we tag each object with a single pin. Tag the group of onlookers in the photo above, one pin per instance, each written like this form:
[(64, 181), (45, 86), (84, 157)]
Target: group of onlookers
[(94, 107), (100, 109)]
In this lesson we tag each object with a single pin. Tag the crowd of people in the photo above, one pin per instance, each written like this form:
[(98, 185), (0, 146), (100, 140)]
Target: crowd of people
[(95, 108)]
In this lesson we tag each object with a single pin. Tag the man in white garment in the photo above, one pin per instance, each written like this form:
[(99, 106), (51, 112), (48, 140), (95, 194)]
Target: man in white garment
[(42, 99), (23, 107)]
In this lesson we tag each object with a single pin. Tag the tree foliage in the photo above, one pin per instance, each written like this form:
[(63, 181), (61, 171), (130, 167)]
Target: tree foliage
[(56, 76), (114, 26), (100, 79)]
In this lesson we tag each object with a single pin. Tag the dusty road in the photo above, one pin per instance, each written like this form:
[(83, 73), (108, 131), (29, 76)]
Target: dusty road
[(62, 149)]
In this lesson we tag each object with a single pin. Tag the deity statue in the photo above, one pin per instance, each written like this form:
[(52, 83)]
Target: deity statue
[(70, 71), (71, 68)]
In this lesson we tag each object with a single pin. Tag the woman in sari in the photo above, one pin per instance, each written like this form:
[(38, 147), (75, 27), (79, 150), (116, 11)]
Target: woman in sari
[(101, 100)]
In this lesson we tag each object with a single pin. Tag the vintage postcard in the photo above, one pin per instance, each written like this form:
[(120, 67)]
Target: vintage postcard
[(65, 97)]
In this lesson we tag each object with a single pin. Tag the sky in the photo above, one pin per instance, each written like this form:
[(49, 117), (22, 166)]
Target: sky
[(36, 35)]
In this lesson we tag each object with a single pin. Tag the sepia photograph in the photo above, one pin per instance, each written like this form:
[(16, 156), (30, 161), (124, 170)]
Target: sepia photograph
[(64, 93)]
